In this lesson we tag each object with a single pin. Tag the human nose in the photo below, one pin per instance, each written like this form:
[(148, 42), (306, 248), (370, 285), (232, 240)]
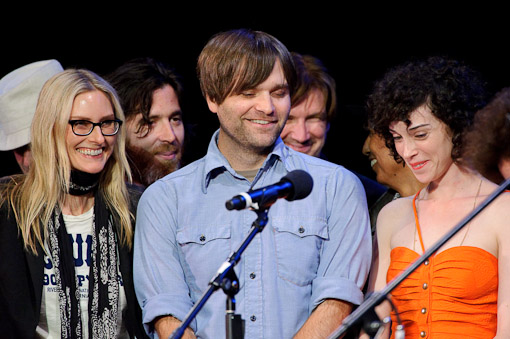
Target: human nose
[(96, 135), (166, 132), (265, 104), (300, 131), (406, 148), (366, 148)]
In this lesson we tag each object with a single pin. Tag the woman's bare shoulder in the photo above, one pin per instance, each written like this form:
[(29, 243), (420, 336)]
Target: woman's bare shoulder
[(398, 206), (396, 213)]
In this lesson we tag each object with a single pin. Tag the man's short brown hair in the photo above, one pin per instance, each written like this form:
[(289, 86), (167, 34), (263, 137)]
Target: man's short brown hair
[(238, 60)]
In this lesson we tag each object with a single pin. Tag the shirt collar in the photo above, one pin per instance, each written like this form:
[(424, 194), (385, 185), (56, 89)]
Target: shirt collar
[(216, 162)]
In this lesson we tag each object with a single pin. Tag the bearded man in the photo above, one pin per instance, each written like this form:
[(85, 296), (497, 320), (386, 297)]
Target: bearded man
[(150, 93)]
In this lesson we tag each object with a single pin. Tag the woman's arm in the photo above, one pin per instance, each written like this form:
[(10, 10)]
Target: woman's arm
[(387, 220)]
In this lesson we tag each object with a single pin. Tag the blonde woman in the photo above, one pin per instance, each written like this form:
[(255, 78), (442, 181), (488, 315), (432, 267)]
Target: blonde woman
[(66, 226)]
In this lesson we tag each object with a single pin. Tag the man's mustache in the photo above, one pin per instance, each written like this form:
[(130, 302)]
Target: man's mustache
[(145, 168), (163, 148)]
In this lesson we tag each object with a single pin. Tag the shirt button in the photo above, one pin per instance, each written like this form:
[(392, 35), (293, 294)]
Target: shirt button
[(425, 286), (426, 262), (253, 318), (202, 238), (423, 310), (252, 275), (301, 229), (423, 334)]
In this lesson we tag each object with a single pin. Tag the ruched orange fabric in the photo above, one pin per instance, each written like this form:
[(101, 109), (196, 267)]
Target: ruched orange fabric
[(451, 295), (454, 296)]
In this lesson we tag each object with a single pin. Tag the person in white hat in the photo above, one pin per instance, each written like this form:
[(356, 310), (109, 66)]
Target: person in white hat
[(19, 91)]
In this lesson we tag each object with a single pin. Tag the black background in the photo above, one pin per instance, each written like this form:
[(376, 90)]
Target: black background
[(356, 43)]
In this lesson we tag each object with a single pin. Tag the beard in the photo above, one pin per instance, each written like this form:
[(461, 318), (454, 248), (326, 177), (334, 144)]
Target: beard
[(146, 169)]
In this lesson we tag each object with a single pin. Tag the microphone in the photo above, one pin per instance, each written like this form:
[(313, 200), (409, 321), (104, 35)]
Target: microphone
[(294, 186)]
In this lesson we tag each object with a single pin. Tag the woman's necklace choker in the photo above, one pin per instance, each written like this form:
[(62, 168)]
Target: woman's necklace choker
[(82, 182)]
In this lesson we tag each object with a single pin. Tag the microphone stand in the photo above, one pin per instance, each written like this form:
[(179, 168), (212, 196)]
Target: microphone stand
[(366, 310), (226, 279)]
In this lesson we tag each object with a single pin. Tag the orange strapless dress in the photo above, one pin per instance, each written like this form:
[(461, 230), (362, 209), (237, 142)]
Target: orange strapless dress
[(451, 295)]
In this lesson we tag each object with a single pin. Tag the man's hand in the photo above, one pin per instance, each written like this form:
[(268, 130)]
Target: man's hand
[(165, 326)]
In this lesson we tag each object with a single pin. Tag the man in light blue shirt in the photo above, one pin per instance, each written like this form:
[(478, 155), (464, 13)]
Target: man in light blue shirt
[(301, 275)]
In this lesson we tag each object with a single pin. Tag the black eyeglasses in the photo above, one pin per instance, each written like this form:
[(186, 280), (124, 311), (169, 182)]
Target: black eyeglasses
[(85, 127)]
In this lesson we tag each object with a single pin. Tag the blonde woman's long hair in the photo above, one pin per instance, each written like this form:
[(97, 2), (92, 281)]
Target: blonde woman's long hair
[(33, 197)]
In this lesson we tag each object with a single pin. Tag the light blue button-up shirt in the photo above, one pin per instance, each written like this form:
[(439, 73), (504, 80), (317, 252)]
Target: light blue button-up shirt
[(310, 250)]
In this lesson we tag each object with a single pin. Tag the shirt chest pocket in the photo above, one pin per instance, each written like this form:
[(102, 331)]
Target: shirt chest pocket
[(204, 249), (298, 246)]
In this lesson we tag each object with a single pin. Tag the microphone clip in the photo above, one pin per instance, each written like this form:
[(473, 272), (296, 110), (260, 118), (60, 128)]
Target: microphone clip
[(249, 201)]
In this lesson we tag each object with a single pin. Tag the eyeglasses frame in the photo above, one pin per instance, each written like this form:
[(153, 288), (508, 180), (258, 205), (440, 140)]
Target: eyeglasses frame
[(94, 124)]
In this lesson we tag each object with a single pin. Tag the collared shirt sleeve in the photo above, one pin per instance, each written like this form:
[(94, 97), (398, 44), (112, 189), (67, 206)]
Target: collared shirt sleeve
[(158, 276), (346, 255)]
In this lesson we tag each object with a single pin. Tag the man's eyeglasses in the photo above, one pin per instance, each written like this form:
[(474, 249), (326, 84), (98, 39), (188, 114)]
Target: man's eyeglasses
[(85, 127)]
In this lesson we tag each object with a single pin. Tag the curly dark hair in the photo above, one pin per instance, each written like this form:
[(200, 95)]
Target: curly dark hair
[(452, 90), (486, 142)]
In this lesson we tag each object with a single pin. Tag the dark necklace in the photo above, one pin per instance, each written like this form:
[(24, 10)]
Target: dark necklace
[(82, 182)]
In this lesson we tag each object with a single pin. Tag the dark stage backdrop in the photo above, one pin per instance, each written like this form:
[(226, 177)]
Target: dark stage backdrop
[(357, 46)]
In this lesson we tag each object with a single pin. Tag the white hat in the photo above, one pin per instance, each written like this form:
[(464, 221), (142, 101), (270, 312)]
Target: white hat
[(19, 92)]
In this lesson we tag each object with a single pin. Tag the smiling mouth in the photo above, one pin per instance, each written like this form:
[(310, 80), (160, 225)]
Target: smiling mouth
[(261, 122), (300, 147), (166, 155), (418, 165), (92, 152)]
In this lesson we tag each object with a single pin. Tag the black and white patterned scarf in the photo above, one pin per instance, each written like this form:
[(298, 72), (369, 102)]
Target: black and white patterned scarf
[(103, 276)]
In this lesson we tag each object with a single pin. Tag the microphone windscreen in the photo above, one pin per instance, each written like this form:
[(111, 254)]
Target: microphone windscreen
[(302, 183)]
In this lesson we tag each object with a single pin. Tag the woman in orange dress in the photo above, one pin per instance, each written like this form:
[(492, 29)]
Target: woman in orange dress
[(462, 291)]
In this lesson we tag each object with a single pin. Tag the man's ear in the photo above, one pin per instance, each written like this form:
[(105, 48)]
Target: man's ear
[(213, 106)]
